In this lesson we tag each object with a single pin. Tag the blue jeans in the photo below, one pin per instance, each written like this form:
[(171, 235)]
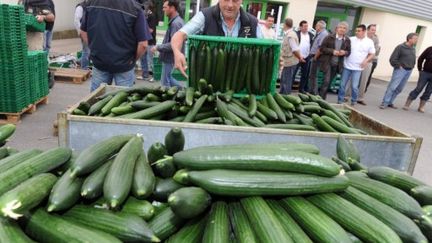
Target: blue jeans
[(47, 40), (287, 79), (348, 74), (304, 66), (397, 83), (121, 79), (147, 62), (167, 79), (85, 53), (425, 80)]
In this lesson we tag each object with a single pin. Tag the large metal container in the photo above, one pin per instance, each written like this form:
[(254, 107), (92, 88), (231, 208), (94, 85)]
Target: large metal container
[(386, 146)]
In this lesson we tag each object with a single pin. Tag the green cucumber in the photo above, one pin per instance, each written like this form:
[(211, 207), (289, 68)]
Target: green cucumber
[(191, 232), (174, 140), (394, 178), (266, 224), (256, 72), (189, 202), (243, 114), (270, 69), (275, 107), (65, 193), (172, 91), (332, 115), (263, 70), (84, 106), (156, 152), (78, 112), (164, 187), (123, 110), (195, 108), (260, 183), (300, 127), (318, 225), (95, 155), (141, 104), (427, 209), (401, 224), (159, 206), (267, 112), (338, 126), (282, 102), (18, 158), (192, 65), (324, 104), (153, 111), (321, 124), (114, 102), (236, 72), (240, 223), (222, 110), (142, 208), (97, 107), (92, 186), (126, 227), (11, 232), (205, 115), (164, 167), (220, 69), (304, 97), (230, 69), (144, 180), (152, 97), (189, 95), (27, 195), (312, 108), (41, 163), (288, 223), (300, 147), (250, 71), (165, 224), (354, 219), (346, 150), (295, 100), (217, 228), (201, 62), (423, 194), (387, 194), (252, 105), (118, 181), (44, 227), (342, 163), (239, 158), (212, 120)]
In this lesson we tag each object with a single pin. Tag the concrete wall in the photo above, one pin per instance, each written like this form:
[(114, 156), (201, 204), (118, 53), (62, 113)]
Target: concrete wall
[(392, 30)]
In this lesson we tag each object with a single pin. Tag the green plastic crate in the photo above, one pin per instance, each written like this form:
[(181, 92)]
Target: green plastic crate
[(32, 24)]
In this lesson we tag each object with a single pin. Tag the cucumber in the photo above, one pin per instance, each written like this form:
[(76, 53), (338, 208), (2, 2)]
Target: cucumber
[(201, 62), (270, 69), (92, 186), (172, 91), (121, 110), (425, 226), (174, 140), (11, 232), (239, 158), (338, 126), (232, 55), (266, 224), (260, 183), (386, 194), (270, 114), (78, 112), (217, 228), (354, 219), (288, 223), (252, 105), (189, 95), (84, 106), (275, 107), (423, 194), (220, 70), (41, 163), (97, 107), (212, 120), (318, 225), (152, 97), (164, 167), (202, 86), (144, 180), (4, 152), (65, 193), (300, 147), (263, 58), (354, 238), (44, 227), (300, 127), (321, 124), (141, 104), (164, 187), (299, 109), (18, 158), (256, 72), (95, 155), (159, 206), (394, 178), (332, 115), (156, 152), (222, 110), (312, 108), (151, 112), (243, 114), (250, 71), (236, 71), (192, 232), (295, 100), (126, 227), (118, 181), (244, 63), (346, 150), (242, 227), (282, 102), (189, 202), (196, 107), (205, 115), (427, 209), (304, 97), (27, 195), (192, 65), (401, 224), (142, 208), (165, 224), (324, 104), (114, 102), (342, 163)]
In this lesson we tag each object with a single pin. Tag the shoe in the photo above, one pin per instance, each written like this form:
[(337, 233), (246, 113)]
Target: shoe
[(407, 104), (392, 106), (422, 106), (151, 80), (361, 102), (382, 106), (139, 77)]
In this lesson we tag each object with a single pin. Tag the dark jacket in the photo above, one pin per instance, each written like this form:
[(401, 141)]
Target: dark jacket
[(166, 53), (403, 56), (152, 22), (311, 37), (327, 48), (37, 7), (426, 55), (213, 23)]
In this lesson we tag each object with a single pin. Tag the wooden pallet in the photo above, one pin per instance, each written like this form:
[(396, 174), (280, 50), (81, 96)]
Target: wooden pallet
[(14, 118), (67, 75)]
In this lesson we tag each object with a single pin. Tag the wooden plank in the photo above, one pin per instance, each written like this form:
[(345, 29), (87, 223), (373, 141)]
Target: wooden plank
[(14, 118), (76, 76)]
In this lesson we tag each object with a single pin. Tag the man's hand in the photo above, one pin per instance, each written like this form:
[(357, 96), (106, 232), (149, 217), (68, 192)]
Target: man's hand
[(153, 49), (180, 63), (364, 64), (342, 53), (40, 18), (302, 60), (335, 53)]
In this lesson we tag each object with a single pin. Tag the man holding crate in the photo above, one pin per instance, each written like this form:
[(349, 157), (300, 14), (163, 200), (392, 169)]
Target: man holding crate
[(226, 18)]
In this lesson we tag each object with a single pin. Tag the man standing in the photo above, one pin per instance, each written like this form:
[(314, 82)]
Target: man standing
[(170, 7), (49, 30), (85, 52), (362, 52), (117, 34), (321, 33), (290, 56), (333, 50), (44, 12), (267, 29), (226, 18), (403, 61), (372, 35), (424, 65), (305, 39), (147, 57)]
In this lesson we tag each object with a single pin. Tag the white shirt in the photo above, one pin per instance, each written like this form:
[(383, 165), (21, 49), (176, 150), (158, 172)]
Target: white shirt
[(77, 18), (268, 33), (304, 44), (360, 49)]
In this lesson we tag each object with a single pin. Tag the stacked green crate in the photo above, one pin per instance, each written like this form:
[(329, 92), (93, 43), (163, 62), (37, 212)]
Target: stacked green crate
[(32, 24), (14, 95), (42, 68), (33, 79)]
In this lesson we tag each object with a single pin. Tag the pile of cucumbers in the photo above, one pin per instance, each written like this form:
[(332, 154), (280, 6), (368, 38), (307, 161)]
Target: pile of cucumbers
[(202, 105), (225, 66), (114, 191), (6, 131)]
